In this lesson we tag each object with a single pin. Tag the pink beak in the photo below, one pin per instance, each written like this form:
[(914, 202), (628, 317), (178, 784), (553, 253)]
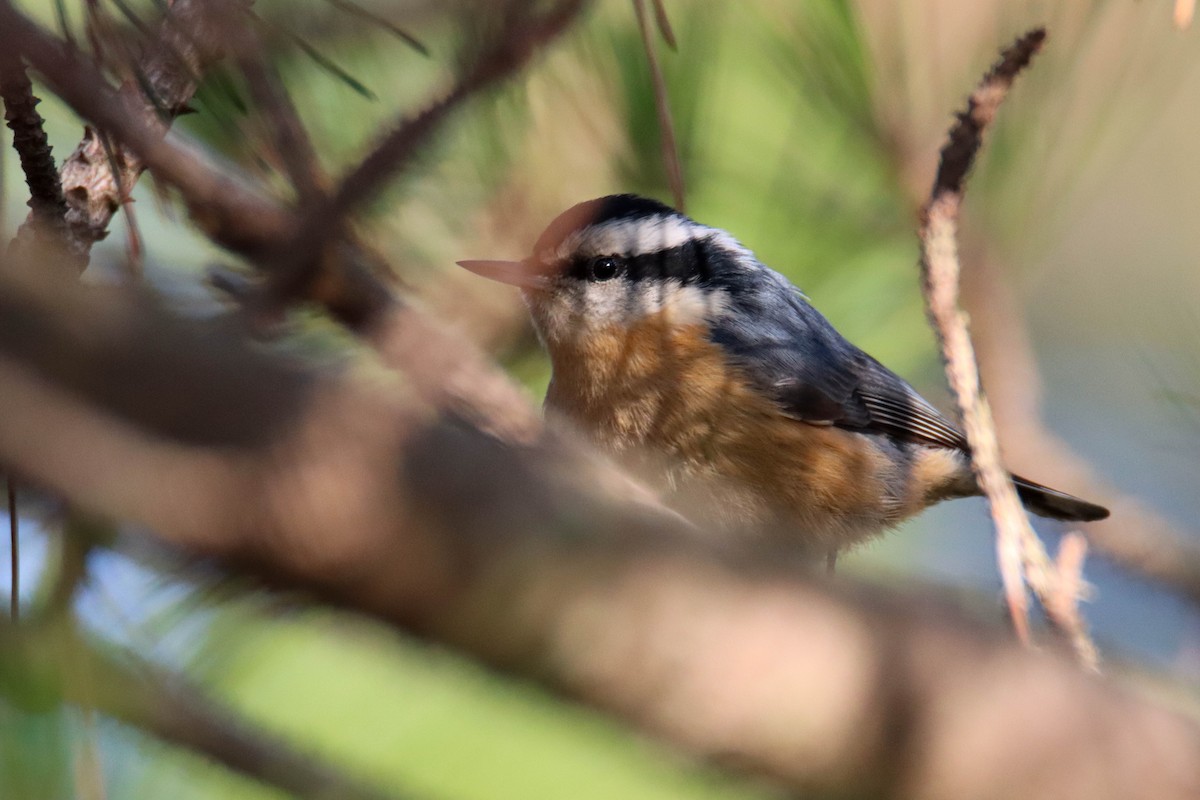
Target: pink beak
[(515, 273)]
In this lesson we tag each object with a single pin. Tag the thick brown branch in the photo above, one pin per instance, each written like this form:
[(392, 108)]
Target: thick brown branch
[(366, 496)]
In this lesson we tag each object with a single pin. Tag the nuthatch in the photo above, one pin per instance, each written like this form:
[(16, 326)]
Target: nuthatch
[(667, 336)]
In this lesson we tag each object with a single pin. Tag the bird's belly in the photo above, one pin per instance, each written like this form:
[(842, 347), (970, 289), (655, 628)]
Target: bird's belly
[(825, 487), (728, 454)]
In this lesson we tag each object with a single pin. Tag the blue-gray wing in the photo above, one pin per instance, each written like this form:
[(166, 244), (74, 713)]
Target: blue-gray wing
[(787, 348)]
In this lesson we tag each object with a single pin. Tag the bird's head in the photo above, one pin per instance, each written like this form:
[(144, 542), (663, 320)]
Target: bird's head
[(621, 260)]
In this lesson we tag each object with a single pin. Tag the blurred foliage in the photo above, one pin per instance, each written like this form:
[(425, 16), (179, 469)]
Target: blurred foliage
[(806, 129)]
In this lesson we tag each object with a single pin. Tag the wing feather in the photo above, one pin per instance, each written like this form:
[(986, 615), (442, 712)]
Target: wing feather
[(789, 349)]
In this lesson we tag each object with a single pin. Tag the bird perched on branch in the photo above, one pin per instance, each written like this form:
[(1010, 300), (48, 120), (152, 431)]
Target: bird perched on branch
[(669, 337)]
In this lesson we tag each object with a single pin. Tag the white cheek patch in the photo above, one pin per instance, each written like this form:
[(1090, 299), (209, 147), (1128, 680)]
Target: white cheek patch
[(632, 237), (626, 303), (575, 311), (681, 304)]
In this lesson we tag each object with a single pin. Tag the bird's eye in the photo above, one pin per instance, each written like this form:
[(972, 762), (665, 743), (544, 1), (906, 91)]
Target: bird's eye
[(604, 268)]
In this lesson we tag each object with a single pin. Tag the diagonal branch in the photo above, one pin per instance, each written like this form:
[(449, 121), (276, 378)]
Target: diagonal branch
[(1021, 555), (351, 488), (522, 37), (241, 217), (293, 146)]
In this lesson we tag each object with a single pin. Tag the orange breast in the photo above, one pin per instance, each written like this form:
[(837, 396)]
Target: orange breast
[(730, 451)]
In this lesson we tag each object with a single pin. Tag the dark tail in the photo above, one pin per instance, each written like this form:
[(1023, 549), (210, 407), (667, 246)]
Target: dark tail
[(1047, 502)]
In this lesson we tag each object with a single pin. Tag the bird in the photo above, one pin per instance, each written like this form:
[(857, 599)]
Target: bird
[(672, 344)]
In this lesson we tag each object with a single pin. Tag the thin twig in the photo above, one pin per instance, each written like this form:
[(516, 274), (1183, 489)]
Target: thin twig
[(31, 143), (940, 274), (1021, 555), (514, 47), (662, 106), (135, 252), (1063, 604), (134, 265)]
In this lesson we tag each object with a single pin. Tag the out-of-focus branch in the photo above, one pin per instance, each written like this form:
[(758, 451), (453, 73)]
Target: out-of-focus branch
[(362, 494), (664, 24), (1021, 555), (243, 218), (523, 35), (44, 662), (348, 279), (293, 146), (45, 230)]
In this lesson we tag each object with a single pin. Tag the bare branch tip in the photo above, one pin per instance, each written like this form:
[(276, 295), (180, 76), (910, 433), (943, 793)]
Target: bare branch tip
[(1017, 56)]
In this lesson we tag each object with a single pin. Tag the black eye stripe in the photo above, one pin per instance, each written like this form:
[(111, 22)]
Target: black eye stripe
[(689, 263)]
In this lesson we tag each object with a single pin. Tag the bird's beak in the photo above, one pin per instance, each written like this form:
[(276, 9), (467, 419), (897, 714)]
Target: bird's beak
[(517, 273)]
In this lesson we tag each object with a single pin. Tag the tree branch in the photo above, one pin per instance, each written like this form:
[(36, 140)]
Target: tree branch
[(48, 209), (241, 217), (1021, 555), (293, 146), (523, 35), (364, 495), (236, 215)]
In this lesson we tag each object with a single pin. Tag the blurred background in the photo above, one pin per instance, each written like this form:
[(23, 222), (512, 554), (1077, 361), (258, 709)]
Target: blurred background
[(810, 132)]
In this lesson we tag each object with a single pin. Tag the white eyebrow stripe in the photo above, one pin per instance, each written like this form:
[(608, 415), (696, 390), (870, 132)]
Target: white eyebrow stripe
[(633, 237)]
